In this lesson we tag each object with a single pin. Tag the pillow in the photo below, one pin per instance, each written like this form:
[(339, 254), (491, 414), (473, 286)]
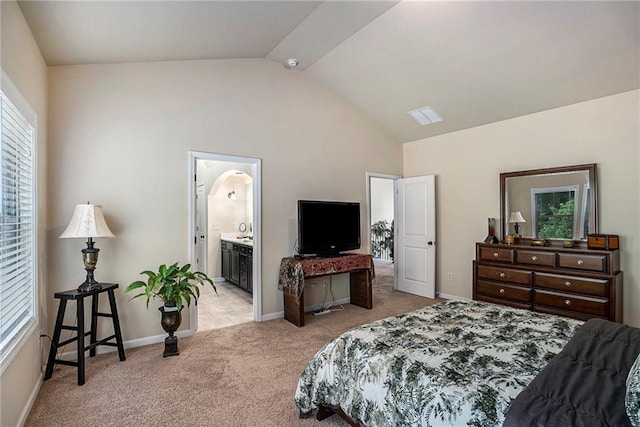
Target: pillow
[(632, 396)]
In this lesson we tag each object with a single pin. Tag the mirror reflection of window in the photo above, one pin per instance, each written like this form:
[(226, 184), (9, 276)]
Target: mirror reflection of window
[(517, 194), (554, 212)]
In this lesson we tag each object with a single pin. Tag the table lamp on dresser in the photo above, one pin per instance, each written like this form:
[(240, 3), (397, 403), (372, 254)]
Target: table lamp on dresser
[(515, 219), (88, 222)]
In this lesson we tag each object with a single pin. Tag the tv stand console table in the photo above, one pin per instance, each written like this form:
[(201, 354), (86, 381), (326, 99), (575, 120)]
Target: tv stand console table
[(293, 271)]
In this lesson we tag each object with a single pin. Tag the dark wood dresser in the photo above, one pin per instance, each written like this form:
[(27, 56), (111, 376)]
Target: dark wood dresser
[(580, 283)]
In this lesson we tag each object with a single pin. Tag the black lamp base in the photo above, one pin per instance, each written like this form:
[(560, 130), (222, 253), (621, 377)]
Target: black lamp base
[(90, 259), (88, 286)]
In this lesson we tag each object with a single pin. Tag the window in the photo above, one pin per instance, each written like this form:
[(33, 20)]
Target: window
[(17, 219), (554, 212)]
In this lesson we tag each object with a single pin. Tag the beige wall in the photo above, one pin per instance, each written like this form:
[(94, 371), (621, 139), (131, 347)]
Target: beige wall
[(20, 58), (467, 165), (120, 136)]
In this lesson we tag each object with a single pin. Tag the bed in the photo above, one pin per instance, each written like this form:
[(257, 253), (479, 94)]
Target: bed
[(453, 363)]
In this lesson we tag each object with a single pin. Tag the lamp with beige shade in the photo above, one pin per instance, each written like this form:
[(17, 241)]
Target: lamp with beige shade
[(88, 222), (516, 218)]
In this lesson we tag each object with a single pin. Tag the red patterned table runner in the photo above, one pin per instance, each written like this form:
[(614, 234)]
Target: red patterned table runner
[(293, 270)]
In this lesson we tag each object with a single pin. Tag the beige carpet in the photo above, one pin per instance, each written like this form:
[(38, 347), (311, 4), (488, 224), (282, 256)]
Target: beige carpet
[(243, 375)]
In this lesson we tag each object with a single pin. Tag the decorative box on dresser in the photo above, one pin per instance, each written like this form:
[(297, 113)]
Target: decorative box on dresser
[(575, 282)]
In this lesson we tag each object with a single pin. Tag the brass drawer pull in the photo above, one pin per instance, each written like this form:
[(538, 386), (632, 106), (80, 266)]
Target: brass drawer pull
[(580, 262), (534, 258), (495, 255), (567, 302), (567, 283), (502, 291), (502, 275)]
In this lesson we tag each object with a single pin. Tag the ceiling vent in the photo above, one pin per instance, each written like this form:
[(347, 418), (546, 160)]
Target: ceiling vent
[(425, 116)]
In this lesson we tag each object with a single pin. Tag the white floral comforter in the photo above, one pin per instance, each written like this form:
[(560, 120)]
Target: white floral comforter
[(454, 363)]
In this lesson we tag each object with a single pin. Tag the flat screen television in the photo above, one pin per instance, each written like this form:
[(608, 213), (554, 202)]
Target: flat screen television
[(327, 228)]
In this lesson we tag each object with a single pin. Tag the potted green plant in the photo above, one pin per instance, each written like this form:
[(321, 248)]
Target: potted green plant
[(382, 239), (176, 286)]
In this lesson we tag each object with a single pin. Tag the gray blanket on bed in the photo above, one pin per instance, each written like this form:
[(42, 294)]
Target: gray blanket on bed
[(584, 384)]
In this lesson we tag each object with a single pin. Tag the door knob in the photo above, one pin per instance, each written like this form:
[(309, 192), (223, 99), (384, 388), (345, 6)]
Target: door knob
[(430, 243)]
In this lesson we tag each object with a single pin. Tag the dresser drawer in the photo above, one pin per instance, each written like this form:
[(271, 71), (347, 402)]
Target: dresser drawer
[(580, 285), (521, 277), (496, 254), (573, 282), (593, 306), (497, 290), (583, 262), (545, 259)]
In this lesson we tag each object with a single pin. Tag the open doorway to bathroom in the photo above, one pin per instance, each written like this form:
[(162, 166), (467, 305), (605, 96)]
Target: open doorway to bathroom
[(225, 225), (381, 219)]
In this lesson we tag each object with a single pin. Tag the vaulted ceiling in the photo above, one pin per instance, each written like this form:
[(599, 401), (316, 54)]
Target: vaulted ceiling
[(474, 62)]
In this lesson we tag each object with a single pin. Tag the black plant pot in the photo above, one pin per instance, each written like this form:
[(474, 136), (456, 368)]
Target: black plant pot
[(171, 320)]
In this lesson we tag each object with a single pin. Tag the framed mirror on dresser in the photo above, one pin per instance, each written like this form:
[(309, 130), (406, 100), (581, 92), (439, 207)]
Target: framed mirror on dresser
[(558, 203), (547, 265)]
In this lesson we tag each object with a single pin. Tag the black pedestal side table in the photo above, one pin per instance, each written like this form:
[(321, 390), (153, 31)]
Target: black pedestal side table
[(78, 297)]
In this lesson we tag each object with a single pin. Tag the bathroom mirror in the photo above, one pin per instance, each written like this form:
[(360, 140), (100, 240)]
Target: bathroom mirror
[(555, 203)]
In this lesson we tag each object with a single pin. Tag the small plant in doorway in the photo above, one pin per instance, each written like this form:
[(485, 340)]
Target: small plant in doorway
[(382, 240), (176, 286)]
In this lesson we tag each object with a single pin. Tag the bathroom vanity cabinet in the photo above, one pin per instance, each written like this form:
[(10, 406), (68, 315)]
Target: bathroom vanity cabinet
[(237, 264)]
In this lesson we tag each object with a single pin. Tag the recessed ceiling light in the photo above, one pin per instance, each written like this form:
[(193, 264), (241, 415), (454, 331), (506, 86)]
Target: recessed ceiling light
[(291, 63), (425, 116)]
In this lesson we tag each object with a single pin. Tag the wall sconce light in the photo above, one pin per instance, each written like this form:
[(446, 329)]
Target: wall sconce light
[(515, 218), (232, 195)]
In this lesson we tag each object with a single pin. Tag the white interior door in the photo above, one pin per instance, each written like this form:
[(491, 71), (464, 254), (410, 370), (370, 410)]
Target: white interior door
[(415, 235), (201, 230)]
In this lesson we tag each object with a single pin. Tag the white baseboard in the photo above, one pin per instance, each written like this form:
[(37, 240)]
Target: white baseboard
[(29, 404), (307, 309), (272, 316), (101, 349), (317, 307), (455, 297)]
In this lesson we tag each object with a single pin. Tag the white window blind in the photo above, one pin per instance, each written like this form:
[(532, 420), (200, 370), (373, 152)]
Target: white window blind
[(17, 223)]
